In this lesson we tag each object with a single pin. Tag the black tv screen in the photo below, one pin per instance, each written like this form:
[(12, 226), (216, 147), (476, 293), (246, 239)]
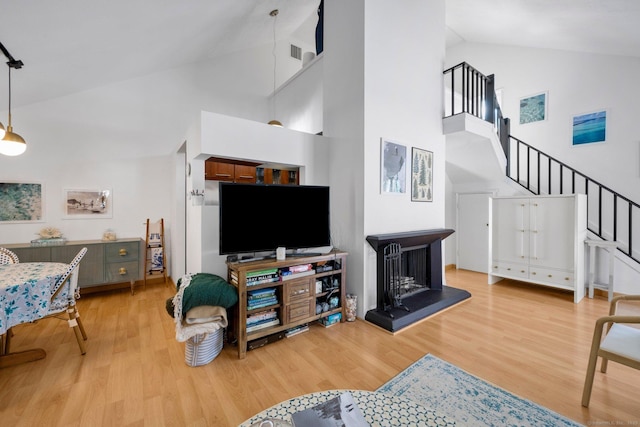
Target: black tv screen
[(263, 217)]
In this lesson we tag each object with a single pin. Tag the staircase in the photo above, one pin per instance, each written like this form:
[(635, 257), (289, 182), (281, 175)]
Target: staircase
[(480, 148)]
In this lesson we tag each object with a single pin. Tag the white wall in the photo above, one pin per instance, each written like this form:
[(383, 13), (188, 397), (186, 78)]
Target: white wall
[(124, 137), (575, 83), (233, 137), (379, 82)]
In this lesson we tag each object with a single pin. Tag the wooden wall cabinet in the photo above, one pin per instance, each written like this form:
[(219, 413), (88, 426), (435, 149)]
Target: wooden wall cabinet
[(296, 297), (230, 170), (540, 239), (105, 263)]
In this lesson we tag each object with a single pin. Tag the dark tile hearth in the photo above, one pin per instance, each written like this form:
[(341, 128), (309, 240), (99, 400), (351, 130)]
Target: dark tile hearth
[(409, 279), (421, 306)]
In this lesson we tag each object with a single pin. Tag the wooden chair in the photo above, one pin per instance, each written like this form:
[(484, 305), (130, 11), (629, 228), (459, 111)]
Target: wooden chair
[(69, 280), (8, 257), (621, 343)]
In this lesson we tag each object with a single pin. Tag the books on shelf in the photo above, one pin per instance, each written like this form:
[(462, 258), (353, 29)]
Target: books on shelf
[(261, 316), (254, 282), (258, 273), (296, 330), (300, 268), (261, 298), (290, 276), (261, 325)]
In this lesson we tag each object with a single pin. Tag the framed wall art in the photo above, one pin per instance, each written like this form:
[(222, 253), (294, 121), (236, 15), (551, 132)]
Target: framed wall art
[(590, 127), (533, 108), (393, 175), (21, 202), (421, 175), (87, 204)]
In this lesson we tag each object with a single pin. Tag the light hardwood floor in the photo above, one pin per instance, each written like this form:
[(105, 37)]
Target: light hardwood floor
[(530, 340)]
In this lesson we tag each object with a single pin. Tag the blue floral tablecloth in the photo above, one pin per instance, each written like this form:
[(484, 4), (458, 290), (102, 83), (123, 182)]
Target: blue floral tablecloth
[(25, 291)]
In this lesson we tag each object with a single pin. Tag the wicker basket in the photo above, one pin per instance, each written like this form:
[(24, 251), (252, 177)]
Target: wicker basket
[(203, 348)]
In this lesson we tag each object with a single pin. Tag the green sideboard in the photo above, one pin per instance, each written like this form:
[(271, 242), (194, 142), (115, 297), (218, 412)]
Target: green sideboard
[(106, 263)]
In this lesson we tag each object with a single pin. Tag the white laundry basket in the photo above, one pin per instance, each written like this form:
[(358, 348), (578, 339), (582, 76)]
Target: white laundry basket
[(203, 348)]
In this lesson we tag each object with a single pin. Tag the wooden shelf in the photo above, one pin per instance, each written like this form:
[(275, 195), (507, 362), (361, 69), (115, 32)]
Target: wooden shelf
[(297, 297)]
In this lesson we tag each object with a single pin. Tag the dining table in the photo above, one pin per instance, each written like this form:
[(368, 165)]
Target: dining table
[(25, 296)]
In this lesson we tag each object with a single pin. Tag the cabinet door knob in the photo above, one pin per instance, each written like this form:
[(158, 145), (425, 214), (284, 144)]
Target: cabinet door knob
[(534, 273), (551, 275), (122, 271), (122, 252)]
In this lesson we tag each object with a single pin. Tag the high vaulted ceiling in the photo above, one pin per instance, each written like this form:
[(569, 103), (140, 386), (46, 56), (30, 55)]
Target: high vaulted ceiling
[(73, 45)]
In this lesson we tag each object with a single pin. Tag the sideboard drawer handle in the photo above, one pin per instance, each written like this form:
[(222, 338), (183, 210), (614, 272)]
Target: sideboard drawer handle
[(123, 252), (122, 271)]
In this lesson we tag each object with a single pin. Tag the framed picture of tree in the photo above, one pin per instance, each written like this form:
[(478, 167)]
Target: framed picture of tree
[(421, 175)]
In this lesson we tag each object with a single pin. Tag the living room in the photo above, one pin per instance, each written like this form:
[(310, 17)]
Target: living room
[(128, 135)]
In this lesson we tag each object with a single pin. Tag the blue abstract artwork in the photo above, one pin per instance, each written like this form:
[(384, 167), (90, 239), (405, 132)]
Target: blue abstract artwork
[(589, 128), (21, 202), (533, 108)]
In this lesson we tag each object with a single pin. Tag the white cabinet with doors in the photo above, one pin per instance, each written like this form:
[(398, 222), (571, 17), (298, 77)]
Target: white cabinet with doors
[(539, 239)]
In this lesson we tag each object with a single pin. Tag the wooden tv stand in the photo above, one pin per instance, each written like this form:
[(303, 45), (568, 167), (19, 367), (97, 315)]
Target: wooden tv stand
[(295, 295)]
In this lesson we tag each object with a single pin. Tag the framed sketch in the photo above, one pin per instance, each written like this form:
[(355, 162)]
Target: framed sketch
[(21, 202), (533, 108), (87, 204), (590, 127), (393, 175), (421, 175)]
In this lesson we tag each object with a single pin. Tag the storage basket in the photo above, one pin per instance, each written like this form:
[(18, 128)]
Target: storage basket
[(203, 348)]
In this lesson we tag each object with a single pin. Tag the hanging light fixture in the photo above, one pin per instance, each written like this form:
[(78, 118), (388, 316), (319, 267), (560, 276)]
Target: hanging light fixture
[(11, 143), (274, 15)]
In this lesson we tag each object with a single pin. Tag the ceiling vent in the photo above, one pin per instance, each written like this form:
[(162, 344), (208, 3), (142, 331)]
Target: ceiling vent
[(296, 52)]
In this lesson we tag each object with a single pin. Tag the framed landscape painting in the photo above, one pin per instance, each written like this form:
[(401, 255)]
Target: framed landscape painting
[(421, 175), (21, 202), (393, 175), (590, 127), (87, 204), (533, 108)]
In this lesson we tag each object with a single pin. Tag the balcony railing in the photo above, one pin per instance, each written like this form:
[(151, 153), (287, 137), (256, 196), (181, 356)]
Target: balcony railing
[(610, 215)]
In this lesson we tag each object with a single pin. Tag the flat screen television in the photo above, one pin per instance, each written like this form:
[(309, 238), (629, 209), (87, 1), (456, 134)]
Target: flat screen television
[(263, 217)]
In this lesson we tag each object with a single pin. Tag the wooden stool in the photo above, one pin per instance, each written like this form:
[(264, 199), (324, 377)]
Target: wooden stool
[(610, 248)]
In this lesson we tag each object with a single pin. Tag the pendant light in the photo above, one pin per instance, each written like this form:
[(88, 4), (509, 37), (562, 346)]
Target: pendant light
[(11, 143), (274, 15)]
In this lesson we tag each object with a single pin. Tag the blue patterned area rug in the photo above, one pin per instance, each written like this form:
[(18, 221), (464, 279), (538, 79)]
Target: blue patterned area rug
[(469, 400)]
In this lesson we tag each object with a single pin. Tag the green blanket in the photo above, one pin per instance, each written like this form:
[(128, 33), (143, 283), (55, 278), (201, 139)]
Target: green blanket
[(205, 289)]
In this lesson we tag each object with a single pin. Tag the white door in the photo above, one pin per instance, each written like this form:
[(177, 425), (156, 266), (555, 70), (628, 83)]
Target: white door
[(472, 232)]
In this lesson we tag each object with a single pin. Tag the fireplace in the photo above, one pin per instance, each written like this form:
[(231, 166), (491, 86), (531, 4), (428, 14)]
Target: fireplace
[(409, 278)]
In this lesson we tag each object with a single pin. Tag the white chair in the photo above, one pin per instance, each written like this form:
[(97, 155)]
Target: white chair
[(621, 343), (8, 257), (69, 280)]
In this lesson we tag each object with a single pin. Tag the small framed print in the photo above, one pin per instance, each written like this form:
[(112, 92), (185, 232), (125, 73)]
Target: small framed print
[(87, 203), (21, 202), (589, 128), (533, 108), (421, 175), (393, 175)]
